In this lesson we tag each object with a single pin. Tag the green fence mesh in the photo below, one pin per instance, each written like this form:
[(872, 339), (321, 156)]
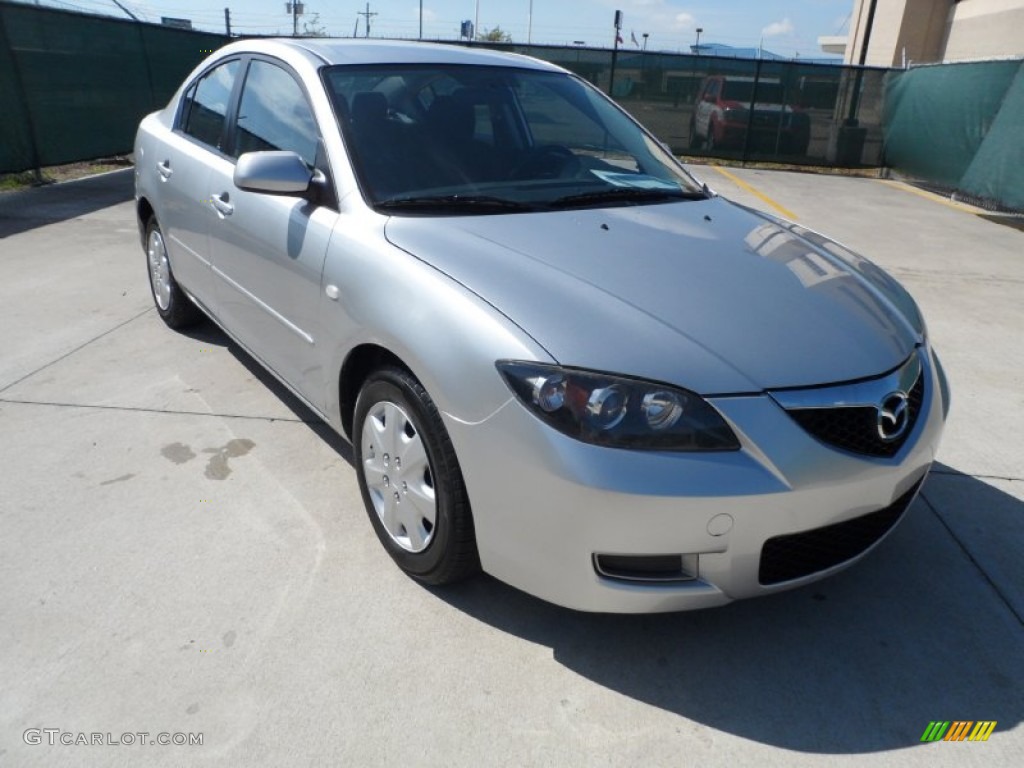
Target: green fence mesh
[(960, 126), (759, 109), (75, 86)]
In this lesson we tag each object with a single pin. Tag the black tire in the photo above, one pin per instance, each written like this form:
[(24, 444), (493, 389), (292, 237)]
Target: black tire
[(178, 310), (450, 553)]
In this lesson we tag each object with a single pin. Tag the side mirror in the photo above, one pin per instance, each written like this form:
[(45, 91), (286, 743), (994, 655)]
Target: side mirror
[(274, 173)]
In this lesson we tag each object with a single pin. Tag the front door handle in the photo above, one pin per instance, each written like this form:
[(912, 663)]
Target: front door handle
[(220, 202), (165, 169)]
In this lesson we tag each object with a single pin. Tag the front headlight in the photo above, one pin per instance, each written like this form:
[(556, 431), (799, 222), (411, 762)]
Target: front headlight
[(618, 412)]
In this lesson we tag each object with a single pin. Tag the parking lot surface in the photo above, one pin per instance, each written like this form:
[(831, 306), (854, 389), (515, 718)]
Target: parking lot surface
[(183, 549)]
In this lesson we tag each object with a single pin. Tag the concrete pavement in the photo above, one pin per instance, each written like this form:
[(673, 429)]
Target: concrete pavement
[(183, 549)]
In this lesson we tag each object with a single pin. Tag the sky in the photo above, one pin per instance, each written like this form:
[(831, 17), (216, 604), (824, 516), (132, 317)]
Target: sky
[(786, 27)]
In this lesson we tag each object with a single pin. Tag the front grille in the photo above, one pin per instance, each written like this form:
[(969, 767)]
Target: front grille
[(795, 555), (855, 428)]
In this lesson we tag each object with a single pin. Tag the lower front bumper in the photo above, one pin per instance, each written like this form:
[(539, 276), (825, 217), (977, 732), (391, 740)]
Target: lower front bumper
[(544, 504)]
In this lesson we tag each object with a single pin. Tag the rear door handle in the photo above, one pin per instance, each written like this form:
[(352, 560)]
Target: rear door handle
[(165, 169), (220, 202)]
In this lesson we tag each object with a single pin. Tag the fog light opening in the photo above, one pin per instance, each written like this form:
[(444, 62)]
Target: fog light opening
[(650, 569)]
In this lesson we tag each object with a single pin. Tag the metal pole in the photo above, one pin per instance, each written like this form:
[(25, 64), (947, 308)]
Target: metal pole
[(295, 18), (529, 25), (421, 19), (750, 114), (476, 20), (227, 20), (615, 56), (851, 117), (697, 46)]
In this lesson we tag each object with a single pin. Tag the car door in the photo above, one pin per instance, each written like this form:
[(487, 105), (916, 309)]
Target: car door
[(268, 250), (182, 164)]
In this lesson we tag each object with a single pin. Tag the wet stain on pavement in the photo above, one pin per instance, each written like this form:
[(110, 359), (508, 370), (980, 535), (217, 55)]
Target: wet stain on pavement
[(192, 709), (179, 453), (229, 638), (217, 467)]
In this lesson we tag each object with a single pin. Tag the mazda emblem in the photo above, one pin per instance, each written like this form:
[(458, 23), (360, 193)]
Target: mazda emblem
[(893, 417)]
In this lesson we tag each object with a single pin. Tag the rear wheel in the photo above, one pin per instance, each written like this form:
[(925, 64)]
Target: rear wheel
[(173, 306), (410, 480)]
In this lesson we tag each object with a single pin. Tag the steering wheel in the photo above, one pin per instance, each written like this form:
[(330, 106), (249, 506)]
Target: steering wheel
[(550, 161)]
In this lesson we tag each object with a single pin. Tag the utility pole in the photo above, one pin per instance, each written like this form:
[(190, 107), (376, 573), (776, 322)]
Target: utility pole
[(529, 25), (294, 8), (366, 14), (476, 19), (615, 52), (421, 19), (227, 21)]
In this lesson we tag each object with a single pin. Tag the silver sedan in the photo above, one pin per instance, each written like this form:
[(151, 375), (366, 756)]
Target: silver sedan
[(559, 358)]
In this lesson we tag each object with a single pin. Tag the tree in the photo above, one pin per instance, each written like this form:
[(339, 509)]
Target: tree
[(496, 35), (313, 27)]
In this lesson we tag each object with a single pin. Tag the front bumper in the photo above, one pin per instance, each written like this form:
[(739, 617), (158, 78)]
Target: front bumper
[(545, 504)]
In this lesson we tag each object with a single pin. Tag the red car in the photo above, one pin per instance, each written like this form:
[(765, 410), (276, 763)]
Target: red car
[(721, 116)]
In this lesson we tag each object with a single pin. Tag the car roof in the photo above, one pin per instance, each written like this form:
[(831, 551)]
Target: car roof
[(330, 51)]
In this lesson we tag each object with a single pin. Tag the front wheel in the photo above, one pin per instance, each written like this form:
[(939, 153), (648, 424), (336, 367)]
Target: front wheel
[(410, 480), (174, 307)]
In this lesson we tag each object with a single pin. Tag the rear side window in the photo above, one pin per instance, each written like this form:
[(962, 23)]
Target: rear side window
[(274, 114), (206, 104)]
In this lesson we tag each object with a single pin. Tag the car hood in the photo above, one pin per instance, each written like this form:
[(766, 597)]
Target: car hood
[(707, 295)]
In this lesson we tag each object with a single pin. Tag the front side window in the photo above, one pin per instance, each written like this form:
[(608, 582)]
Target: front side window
[(768, 92), (206, 104), (482, 139), (273, 114)]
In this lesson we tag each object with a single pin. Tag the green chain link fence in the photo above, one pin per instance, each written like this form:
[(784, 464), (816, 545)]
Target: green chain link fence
[(74, 86), (960, 126)]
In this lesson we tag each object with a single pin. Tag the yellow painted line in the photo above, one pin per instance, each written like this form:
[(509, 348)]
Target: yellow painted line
[(786, 213), (932, 196)]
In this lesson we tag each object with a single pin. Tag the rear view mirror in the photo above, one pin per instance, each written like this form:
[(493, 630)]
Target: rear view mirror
[(275, 173)]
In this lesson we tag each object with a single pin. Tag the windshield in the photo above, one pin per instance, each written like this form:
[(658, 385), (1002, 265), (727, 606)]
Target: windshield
[(743, 90), (472, 139)]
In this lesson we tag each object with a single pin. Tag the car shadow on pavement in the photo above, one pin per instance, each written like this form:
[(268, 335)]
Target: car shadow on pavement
[(209, 333), (30, 208), (858, 663)]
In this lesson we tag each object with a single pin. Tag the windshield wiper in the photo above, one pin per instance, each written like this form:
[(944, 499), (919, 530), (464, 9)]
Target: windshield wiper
[(626, 195), (455, 203)]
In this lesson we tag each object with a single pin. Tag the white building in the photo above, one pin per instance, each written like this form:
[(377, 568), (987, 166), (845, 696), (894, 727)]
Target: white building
[(900, 32)]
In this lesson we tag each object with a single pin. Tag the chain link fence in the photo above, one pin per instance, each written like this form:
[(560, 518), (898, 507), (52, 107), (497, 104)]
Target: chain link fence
[(961, 127), (75, 87), (762, 110)]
